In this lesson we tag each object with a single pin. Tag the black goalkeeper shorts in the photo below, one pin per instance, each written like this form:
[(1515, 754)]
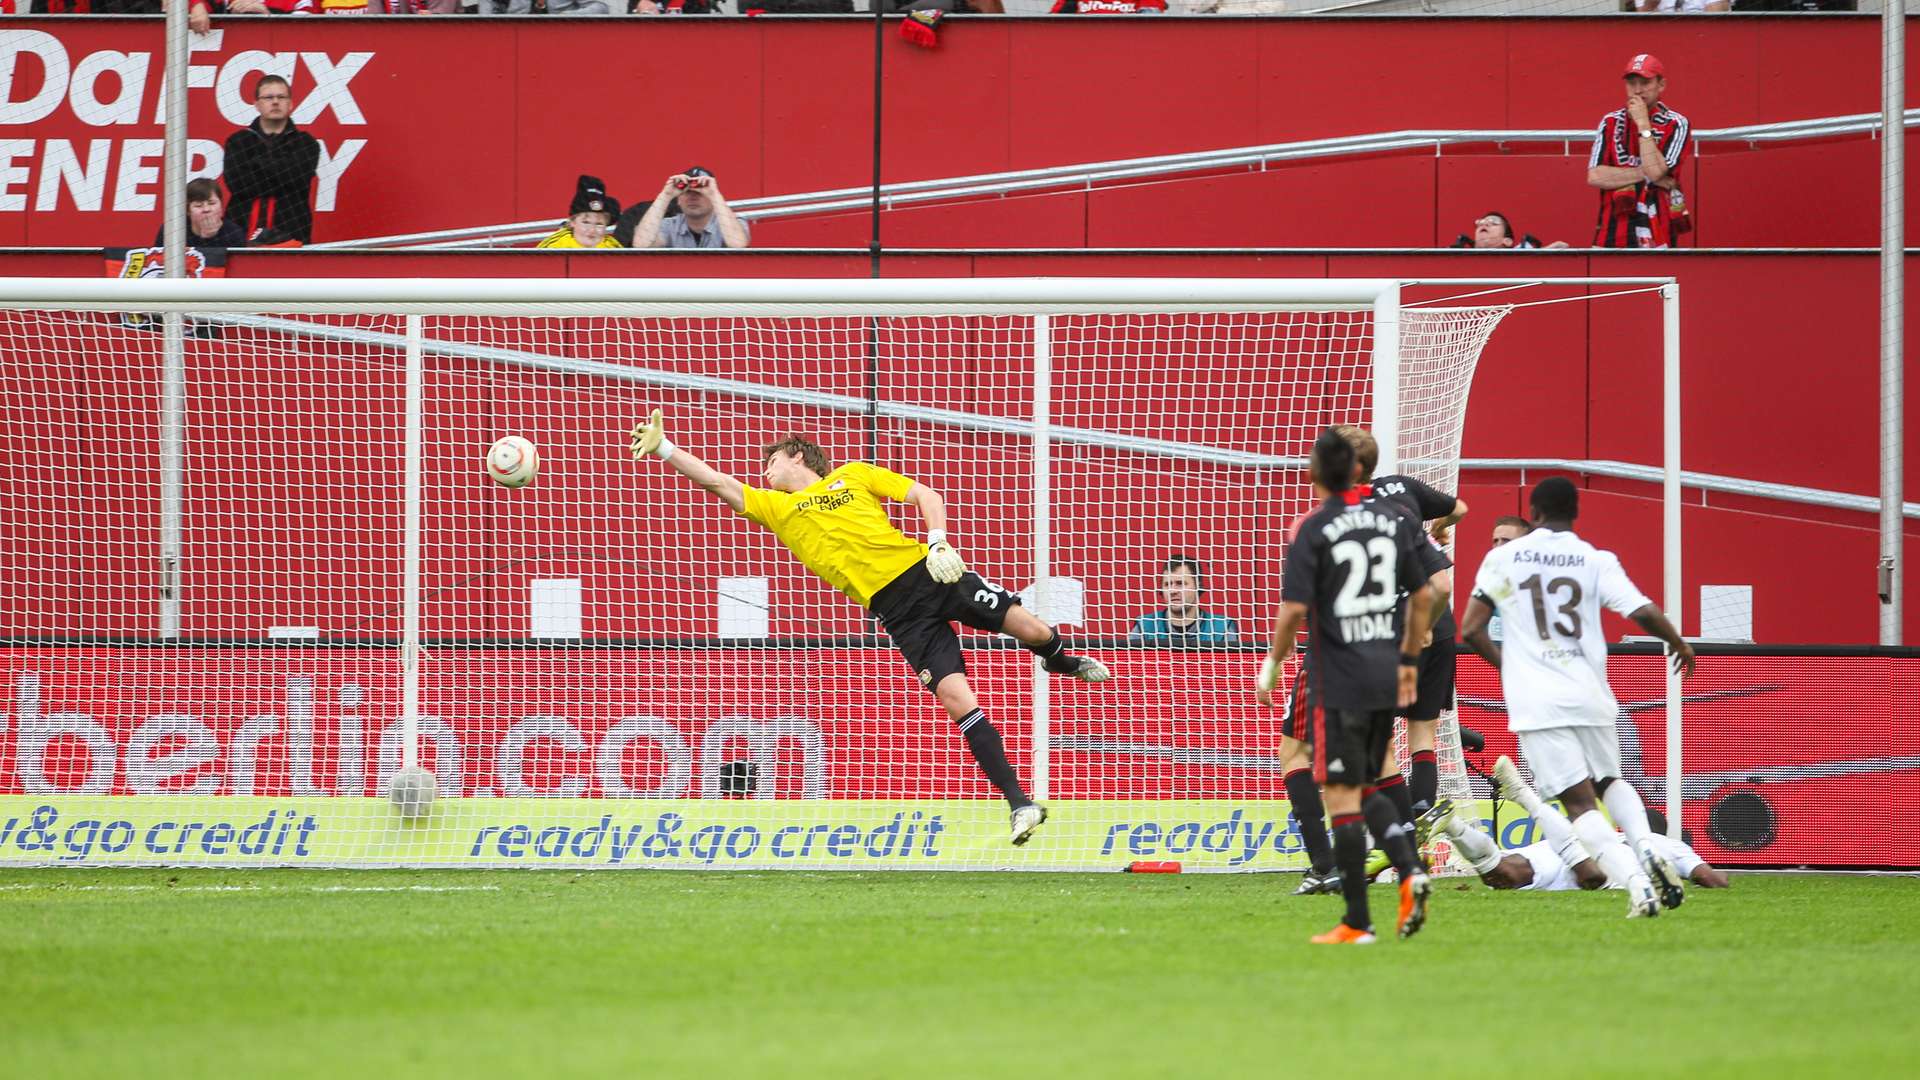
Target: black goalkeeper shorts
[(919, 612)]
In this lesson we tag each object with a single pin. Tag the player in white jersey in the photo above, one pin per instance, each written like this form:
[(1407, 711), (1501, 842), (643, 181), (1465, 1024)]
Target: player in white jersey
[(1548, 587), (1558, 862)]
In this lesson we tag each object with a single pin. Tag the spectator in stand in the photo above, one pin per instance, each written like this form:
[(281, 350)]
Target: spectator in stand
[(591, 212), (1229, 7), (207, 224), (200, 12), (1181, 621), (1109, 7), (270, 167), (689, 212), (1494, 232), (1682, 7), (85, 7), (681, 7), (1637, 154)]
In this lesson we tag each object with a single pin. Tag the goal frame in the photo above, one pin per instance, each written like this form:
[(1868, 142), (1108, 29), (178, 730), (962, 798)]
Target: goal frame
[(720, 297)]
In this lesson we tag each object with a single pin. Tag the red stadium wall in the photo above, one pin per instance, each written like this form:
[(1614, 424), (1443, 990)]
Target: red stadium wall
[(1842, 789), (1776, 348), (442, 123)]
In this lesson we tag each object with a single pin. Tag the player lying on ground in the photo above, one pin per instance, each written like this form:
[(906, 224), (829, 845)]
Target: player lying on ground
[(1557, 862), (1548, 587), (835, 524), (1348, 565)]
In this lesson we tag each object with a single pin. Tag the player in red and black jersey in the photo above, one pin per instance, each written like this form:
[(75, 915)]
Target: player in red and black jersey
[(1438, 659), (1347, 568), (1416, 796)]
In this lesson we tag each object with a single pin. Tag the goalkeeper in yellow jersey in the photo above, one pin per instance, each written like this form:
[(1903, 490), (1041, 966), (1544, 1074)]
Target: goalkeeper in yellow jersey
[(835, 524)]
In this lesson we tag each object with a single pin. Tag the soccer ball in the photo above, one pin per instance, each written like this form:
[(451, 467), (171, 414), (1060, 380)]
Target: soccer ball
[(512, 461), (411, 791)]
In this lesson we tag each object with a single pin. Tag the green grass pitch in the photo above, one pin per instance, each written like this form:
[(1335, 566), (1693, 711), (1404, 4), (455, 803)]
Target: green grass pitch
[(655, 974)]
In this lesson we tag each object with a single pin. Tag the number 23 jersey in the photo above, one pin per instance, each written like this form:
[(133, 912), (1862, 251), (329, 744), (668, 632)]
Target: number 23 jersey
[(1548, 587), (1349, 563)]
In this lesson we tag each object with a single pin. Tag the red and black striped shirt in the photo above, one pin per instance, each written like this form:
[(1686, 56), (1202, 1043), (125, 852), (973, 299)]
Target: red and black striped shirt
[(1641, 216)]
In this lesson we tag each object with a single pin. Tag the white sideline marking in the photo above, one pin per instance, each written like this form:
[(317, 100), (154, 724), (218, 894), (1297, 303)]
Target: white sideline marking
[(54, 887)]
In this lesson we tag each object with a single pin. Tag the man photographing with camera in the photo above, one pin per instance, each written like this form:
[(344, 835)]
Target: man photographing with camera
[(689, 212)]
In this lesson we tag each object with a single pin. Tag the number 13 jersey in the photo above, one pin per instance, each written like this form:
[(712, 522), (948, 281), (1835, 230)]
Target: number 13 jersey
[(1548, 587)]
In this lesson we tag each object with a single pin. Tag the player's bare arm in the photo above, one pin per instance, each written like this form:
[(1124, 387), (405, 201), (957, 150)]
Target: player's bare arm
[(649, 438), (944, 563), (1654, 621), (1286, 631), (1419, 621), (1442, 527), (931, 505), (1473, 631)]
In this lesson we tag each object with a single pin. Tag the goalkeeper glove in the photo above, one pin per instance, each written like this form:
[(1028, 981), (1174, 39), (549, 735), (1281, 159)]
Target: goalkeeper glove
[(944, 563), (650, 437)]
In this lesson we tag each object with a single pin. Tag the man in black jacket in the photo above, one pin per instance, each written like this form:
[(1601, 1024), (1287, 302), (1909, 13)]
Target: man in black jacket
[(270, 168)]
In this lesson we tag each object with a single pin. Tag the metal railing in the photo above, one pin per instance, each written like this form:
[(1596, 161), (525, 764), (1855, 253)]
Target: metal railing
[(1086, 176), (1706, 482)]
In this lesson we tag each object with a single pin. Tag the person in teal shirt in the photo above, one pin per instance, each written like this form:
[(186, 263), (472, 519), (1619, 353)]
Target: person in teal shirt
[(1183, 622)]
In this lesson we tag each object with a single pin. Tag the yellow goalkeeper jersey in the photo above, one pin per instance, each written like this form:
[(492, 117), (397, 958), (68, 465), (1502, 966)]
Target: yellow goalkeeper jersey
[(839, 529)]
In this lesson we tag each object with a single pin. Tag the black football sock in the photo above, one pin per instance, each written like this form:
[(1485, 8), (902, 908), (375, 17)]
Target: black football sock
[(1423, 781), (1391, 833), (1350, 854), (1394, 789), (984, 740), (1311, 813), (1053, 655)]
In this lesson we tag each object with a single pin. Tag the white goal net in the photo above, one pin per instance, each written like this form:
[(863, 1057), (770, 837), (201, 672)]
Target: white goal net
[(232, 611)]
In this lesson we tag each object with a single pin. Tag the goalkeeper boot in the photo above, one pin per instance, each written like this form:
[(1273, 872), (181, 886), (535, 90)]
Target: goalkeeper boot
[(1343, 934), (1025, 820), (1089, 670), (1666, 880), (1413, 904)]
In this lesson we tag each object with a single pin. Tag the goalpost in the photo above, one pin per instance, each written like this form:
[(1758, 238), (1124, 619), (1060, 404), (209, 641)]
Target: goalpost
[(223, 644)]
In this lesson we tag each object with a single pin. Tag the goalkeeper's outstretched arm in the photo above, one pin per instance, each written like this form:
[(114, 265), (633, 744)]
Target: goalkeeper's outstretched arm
[(649, 438), (944, 563)]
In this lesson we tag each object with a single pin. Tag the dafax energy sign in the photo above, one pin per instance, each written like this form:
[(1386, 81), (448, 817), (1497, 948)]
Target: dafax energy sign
[(661, 833)]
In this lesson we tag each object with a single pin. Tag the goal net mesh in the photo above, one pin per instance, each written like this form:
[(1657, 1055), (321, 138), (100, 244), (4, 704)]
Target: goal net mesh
[(615, 669)]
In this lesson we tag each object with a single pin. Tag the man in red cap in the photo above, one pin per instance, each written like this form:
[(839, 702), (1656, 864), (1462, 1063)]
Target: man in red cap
[(1635, 163)]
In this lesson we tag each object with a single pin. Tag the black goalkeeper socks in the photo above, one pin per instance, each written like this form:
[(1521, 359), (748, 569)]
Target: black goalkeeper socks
[(1053, 656), (1311, 814), (1393, 835), (988, 749), (1423, 781), (1350, 854)]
